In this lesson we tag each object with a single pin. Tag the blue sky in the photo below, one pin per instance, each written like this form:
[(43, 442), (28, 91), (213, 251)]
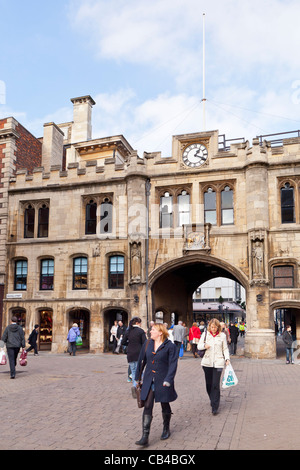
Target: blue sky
[(141, 61)]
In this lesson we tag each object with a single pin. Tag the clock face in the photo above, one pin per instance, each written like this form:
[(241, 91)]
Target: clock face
[(195, 155)]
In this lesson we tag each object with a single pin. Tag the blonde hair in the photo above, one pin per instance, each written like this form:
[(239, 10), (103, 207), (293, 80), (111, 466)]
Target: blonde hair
[(214, 321), (161, 328)]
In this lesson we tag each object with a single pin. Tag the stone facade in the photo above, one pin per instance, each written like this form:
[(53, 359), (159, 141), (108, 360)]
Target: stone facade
[(146, 232)]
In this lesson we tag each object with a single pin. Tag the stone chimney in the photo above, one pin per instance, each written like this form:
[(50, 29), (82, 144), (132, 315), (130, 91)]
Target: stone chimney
[(53, 143), (82, 117)]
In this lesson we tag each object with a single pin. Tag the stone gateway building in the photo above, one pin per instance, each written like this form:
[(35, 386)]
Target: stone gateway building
[(97, 233)]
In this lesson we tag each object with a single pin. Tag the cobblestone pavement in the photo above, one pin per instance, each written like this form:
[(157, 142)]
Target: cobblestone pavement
[(84, 403)]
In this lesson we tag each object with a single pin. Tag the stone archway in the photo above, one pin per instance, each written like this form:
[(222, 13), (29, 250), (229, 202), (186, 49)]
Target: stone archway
[(173, 283), (290, 316), (111, 314), (81, 316)]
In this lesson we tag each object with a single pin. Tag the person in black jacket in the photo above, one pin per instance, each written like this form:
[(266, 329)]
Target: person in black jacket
[(234, 333), (134, 338), (288, 341), (14, 338), (161, 359), (32, 340)]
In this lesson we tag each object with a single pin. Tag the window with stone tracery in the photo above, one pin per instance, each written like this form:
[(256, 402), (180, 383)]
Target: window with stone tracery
[(98, 215), (36, 219), (218, 205), (174, 208)]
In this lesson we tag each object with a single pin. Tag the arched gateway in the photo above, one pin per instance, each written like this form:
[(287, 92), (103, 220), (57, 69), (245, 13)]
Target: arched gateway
[(173, 284)]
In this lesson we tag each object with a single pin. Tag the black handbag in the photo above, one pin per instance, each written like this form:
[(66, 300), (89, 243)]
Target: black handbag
[(140, 402), (201, 352)]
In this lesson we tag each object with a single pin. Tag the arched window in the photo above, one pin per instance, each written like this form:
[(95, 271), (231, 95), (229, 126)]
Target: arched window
[(116, 272), (166, 210), (80, 273), (106, 216), (29, 222), (43, 221), (91, 218), (183, 208), (210, 207), (287, 204), (227, 206)]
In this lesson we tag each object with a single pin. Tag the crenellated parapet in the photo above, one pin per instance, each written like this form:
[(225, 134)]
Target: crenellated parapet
[(85, 171)]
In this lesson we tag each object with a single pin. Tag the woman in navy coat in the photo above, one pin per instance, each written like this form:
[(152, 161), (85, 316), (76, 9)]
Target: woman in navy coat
[(161, 360)]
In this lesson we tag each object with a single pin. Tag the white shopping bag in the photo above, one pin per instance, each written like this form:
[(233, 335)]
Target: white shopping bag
[(229, 378)]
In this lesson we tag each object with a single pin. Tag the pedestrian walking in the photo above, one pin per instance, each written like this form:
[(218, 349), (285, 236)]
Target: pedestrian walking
[(151, 323), (13, 337), (242, 329), (178, 335), (161, 359), (134, 338), (73, 333), (215, 357), (186, 337), (113, 336), (194, 338), (119, 336), (234, 333), (32, 340), (288, 341)]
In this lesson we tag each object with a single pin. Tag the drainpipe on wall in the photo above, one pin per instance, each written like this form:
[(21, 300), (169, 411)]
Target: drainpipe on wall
[(147, 262)]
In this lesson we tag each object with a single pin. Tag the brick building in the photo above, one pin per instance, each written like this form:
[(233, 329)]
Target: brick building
[(18, 149), (96, 232)]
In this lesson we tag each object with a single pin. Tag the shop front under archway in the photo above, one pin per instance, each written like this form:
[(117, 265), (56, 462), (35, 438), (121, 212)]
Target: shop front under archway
[(110, 316), (82, 318)]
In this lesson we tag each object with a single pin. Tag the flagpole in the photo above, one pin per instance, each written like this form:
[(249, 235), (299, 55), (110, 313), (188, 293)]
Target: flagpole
[(203, 91)]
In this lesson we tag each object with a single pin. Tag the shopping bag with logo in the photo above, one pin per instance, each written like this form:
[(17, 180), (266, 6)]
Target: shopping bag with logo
[(78, 340), (181, 351), (23, 358), (229, 378), (2, 358)]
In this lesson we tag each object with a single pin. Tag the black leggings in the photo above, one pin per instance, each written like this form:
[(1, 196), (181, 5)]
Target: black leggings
[(149, 403)]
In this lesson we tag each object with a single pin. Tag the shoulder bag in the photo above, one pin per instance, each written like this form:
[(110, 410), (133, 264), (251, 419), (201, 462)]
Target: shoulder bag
[(201, 352), (140, 402)]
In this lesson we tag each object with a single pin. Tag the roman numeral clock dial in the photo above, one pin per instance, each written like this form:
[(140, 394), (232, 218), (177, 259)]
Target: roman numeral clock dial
[(194, 155)]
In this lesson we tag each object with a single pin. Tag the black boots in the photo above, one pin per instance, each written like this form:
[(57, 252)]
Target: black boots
[(166, 429), (147, 419)]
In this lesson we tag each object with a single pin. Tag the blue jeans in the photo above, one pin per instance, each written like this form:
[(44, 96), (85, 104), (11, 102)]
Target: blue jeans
[(133, 367), (289, 353)]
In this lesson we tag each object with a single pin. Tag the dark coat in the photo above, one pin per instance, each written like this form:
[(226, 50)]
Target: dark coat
[(33, 337), (13, 336), (160, 367), (234, 332), (287, 338), (134, 338)]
